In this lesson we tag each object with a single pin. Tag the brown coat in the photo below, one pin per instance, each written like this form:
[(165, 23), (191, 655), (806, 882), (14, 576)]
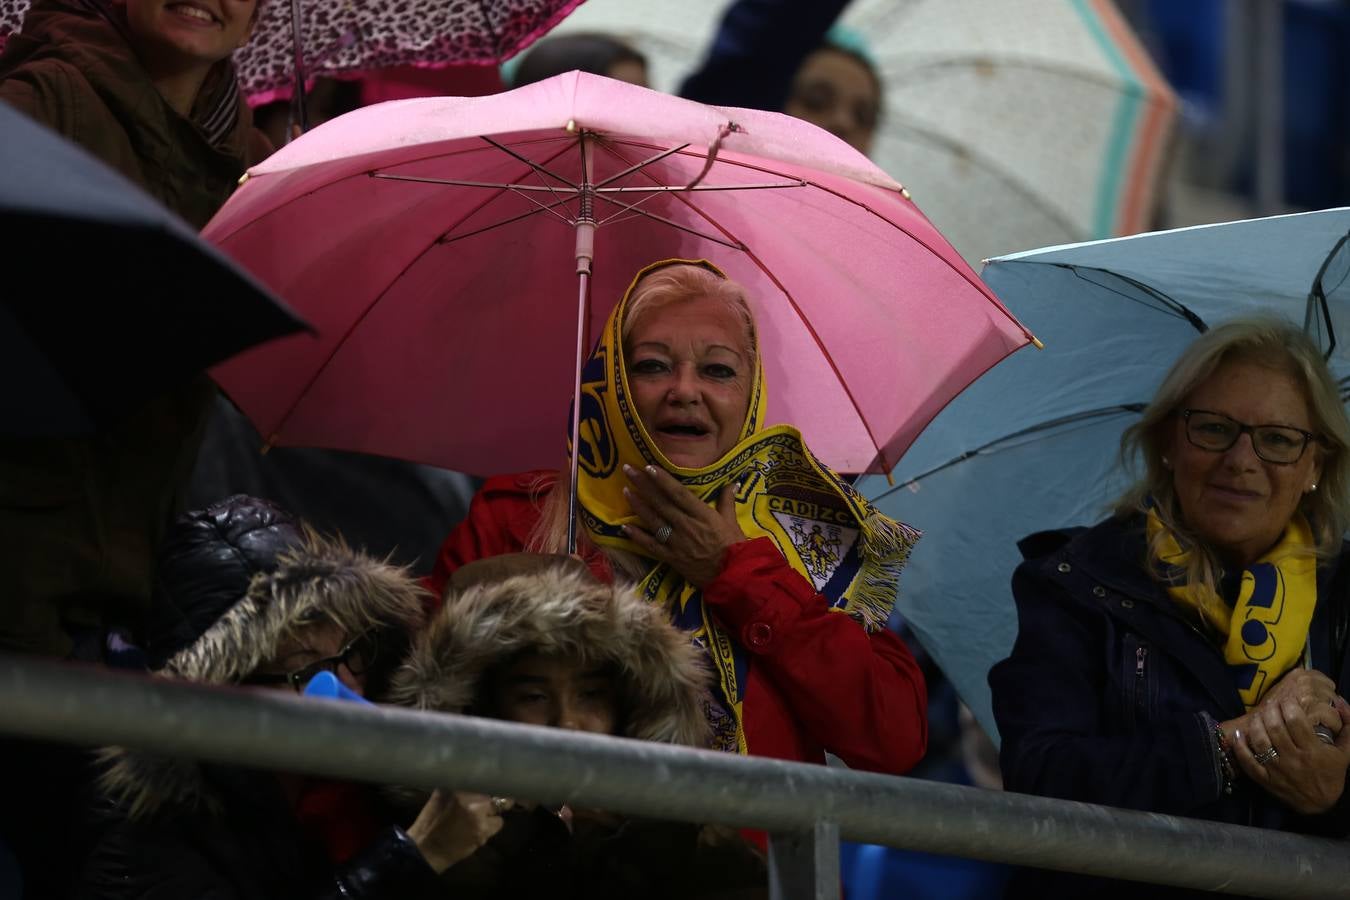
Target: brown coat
[(72, 69)]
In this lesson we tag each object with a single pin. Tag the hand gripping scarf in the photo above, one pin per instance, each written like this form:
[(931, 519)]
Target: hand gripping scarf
[(825, 530), (1267, 628)]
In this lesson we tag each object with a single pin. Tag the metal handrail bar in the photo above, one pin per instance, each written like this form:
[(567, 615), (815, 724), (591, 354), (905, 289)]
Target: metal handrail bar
[(280, 731)]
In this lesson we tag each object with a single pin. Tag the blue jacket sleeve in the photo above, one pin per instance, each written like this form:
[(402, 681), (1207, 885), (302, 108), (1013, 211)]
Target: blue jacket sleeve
[(758, 49), (1059, 737)]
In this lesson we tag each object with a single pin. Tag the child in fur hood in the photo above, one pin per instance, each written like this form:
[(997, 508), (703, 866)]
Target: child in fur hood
[(250, 596), (538, 639)]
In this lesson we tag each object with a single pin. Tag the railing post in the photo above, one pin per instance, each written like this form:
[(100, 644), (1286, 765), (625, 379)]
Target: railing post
[(804, 865)]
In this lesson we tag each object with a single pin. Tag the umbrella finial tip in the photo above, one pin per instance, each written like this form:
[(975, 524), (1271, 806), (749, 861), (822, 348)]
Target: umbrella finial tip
[(571, 126), (1036, 342), (904, 192), (243, 178)]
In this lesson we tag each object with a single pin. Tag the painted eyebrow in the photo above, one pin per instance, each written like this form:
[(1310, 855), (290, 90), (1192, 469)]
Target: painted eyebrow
[(665, 348)]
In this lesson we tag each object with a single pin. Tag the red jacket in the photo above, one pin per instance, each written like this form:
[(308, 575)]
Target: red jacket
[(817, 681)]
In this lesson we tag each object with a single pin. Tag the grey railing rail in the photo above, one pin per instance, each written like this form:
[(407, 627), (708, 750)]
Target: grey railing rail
[(805, 808)]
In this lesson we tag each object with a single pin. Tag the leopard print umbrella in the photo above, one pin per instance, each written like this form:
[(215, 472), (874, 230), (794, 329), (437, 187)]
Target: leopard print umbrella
[(351, 36)]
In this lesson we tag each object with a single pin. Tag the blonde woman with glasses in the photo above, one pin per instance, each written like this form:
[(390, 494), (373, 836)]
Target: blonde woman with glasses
[(1188, 655)]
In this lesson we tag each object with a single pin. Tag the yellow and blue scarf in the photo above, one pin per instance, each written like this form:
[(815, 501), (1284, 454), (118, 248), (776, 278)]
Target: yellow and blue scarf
[(1267, 629), (825, 530)]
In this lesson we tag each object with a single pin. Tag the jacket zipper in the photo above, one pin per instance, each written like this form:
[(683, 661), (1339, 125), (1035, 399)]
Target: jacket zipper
[(1140, 655)]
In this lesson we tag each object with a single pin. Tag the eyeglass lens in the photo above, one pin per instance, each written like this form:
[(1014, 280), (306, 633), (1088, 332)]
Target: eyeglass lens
[(1273, 443)]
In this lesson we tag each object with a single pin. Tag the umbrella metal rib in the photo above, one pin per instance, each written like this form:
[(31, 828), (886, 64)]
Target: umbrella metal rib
[(1317, 297), (600, 192), (1071, 419), (1170, 305)]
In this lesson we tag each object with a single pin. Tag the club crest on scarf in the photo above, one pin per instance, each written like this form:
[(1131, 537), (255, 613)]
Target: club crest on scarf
[(825, 530), (1266, 630), (598, 454)]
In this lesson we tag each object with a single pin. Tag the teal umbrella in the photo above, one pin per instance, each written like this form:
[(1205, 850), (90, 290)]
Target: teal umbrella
[(1034, 444)]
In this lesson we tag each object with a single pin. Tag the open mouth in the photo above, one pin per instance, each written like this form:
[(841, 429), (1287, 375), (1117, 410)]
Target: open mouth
[(196, 13), (683, 431)]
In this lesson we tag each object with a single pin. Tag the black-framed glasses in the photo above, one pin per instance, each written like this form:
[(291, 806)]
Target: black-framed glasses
[(1279, 444), (358, 656)]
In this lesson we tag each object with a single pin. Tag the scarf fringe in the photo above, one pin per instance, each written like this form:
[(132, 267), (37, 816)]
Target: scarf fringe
[(887, 544)]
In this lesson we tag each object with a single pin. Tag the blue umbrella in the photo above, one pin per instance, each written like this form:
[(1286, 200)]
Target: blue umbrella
[(108, 298), (1034, 444)]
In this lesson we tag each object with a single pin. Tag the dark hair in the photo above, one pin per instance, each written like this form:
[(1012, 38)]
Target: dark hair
[(594, 53)]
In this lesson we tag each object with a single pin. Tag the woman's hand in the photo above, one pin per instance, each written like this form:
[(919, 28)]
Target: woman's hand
[(1305, 772), (698, 536), (451, 826)]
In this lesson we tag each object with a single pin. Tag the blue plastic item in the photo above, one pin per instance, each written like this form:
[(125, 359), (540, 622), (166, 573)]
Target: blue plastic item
[(326, 684)]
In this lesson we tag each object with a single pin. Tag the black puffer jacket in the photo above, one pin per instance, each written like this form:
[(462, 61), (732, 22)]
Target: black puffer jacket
[(234, 580)]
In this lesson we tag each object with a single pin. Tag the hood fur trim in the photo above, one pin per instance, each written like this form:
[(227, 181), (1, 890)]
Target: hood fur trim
[(320, 580), (663, 677)]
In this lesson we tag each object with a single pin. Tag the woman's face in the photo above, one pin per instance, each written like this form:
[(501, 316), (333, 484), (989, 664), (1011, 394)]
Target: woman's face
[(689, 371), (311, 644), (836, 92), (187, 32), (557, 691), (1234, 501), (629, 70)]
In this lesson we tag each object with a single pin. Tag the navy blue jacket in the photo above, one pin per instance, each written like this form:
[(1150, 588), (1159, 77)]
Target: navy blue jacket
[(1110, 693)]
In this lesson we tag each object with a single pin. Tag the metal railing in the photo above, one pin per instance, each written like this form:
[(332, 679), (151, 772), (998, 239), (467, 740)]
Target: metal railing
[(805, 808)]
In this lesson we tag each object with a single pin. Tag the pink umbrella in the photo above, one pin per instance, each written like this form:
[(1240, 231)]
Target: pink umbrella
[(434, 244)]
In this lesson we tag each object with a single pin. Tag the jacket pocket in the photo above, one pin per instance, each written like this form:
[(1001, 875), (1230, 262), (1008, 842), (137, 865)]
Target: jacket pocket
[(1139, 685)]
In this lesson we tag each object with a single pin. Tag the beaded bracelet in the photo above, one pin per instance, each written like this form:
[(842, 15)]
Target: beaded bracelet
[(1227, 762)]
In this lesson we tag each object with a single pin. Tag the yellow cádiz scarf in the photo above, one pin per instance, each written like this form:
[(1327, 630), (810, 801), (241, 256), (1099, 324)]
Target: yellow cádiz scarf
[(1267, 628), (824, 529)]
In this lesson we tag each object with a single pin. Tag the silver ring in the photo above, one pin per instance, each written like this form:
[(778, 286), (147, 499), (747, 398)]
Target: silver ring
[(1324, 734), (1268, 756), (663, 534), (500, 805)]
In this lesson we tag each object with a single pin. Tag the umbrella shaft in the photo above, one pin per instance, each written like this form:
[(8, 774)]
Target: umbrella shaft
[(585, 252), (301, 112), (583, 289)]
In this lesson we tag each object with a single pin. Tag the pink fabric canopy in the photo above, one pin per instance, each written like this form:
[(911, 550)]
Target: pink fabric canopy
[(446, 312)]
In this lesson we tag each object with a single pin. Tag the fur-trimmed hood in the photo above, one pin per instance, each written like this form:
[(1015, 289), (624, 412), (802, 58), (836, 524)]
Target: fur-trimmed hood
[(318, 580), (561, 610)]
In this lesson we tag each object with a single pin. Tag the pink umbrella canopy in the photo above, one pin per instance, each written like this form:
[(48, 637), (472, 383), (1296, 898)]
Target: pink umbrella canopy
[(348, 37), (433, 242)]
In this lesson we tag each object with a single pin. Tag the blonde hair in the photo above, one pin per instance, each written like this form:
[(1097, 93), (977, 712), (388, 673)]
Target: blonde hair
[(677, 282), (1275, 344)]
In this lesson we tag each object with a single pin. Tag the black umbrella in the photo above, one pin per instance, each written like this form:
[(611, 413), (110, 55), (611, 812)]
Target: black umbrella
[(106, 297)]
